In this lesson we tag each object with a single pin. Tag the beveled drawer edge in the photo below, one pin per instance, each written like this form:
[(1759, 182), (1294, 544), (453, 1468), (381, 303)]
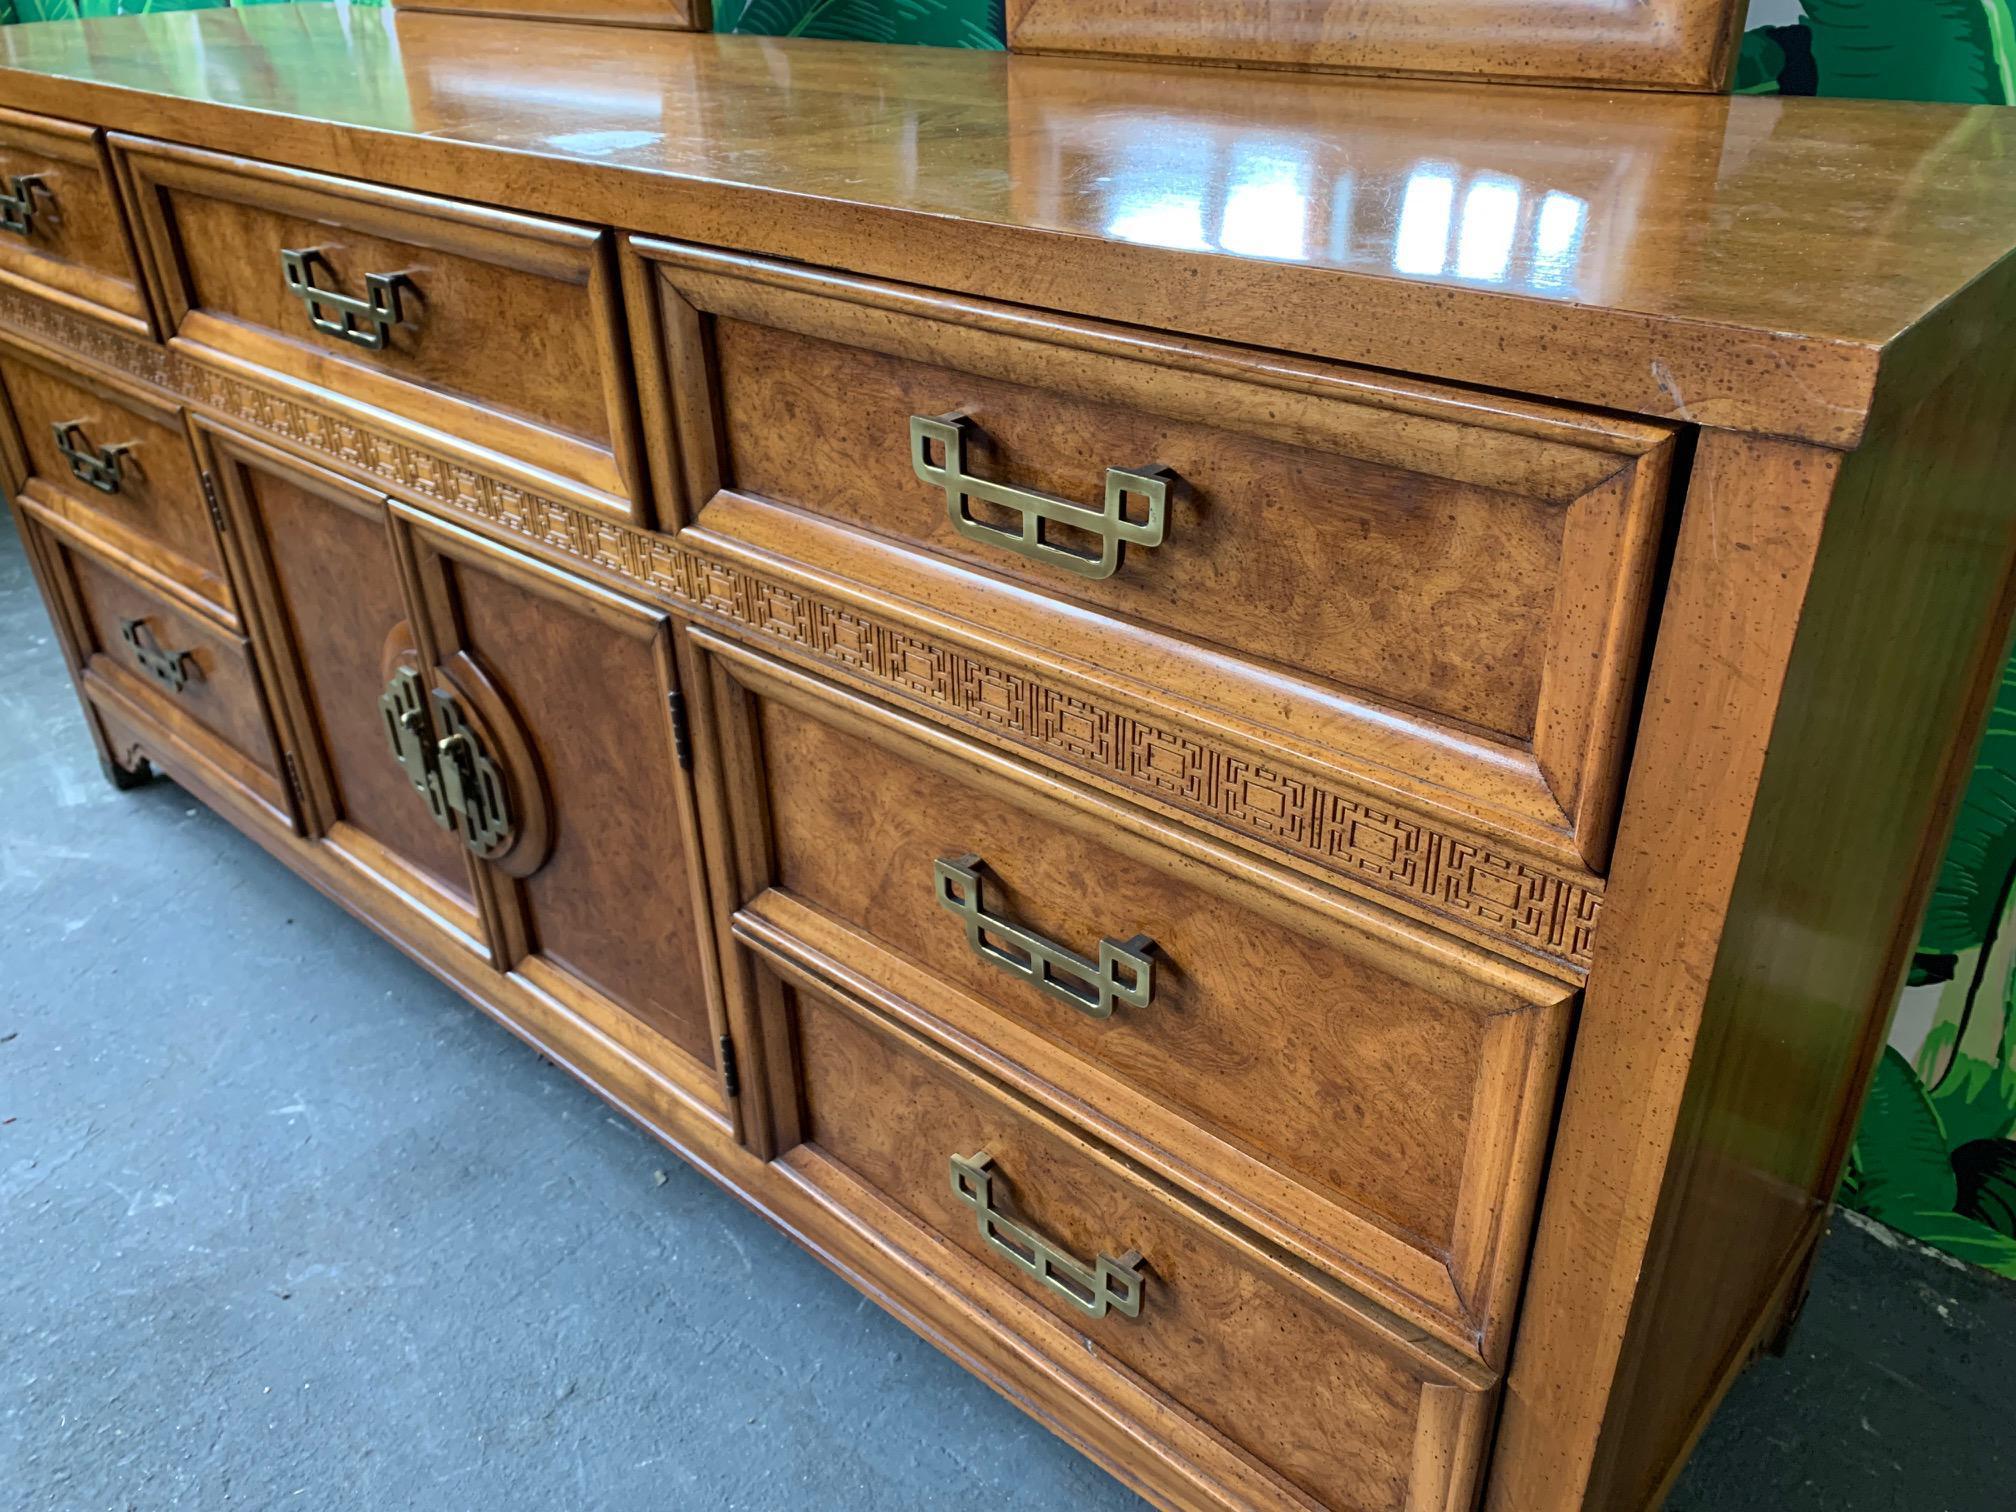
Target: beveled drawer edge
[(1463, 1286), (67, 368), (770, 929), (1431, 1355), (1544, 914), (39, 500), (1458, 879), (86, 144)]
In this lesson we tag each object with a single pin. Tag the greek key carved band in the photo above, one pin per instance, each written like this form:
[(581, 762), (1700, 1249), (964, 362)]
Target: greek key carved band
[(1384, 850)]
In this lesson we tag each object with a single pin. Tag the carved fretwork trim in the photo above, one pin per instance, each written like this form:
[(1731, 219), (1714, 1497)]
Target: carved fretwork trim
[(1386, 850)]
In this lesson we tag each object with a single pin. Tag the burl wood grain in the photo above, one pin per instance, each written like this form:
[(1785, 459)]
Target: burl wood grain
[(1657, 44), (1334, 536), (1257, 1354), (77, 250), (220, 706), (508, 339), (158, 514), (608, 916), (320, 569), (1377, 1071)]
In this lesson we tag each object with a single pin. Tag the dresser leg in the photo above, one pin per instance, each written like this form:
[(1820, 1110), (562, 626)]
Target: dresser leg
[(1779, 1340), (126, 778)]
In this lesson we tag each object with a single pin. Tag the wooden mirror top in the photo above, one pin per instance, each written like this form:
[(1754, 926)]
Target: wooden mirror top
[(1740, 262), (672, 15), (1646, 44)]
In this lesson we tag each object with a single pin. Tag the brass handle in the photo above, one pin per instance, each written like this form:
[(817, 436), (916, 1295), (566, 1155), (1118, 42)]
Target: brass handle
[(96, 465), (365, 322), (168, 668), (463, 788), (17, 204), (1108, 524), (1108, 1284), (1092, 987)]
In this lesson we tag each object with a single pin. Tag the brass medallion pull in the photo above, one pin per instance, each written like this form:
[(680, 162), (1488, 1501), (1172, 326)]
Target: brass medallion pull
[(168, 668), (1108, 1284), (404, 706), (17, 204), (471, 782), (95, 465), (463, 788), (1108, 524), (1094, 988), (365, 322)]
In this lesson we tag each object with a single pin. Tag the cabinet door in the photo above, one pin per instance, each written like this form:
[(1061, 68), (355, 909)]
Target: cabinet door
[(554, 709), (332, 627)]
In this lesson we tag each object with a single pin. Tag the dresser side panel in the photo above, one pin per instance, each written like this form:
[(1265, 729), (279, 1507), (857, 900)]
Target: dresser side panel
[(1812, 710)]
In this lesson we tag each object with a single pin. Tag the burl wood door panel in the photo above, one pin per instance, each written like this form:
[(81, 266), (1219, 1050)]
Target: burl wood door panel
[(501, 331), (63, 234), (1374, 1095), (116, 459), (592, 886), (1428, 580), (333, 623), (139, 648), (1277, 1364)]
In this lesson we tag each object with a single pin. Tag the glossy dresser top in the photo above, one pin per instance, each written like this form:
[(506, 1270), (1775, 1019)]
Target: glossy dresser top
[(1742, 262)]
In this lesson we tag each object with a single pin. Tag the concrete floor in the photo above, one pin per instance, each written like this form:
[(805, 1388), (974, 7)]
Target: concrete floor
[(283, 1223)]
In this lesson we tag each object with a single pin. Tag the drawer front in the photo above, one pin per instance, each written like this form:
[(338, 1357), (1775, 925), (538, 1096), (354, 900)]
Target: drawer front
[(188, 675), (119, 461), (479, 328), (1295, 1377), (1374, 1095), (62, 231), (1311, 549)]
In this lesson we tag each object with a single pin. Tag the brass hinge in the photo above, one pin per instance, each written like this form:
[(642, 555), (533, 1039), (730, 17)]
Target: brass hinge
[(294, 782), (682, 738), (210, 501), (731, 1076)]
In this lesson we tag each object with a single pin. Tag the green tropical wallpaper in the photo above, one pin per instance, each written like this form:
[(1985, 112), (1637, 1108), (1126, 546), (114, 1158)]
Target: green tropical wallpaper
[(1935, 1152)]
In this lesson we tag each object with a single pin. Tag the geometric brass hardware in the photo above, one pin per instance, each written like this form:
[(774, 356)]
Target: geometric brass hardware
[(17, 203), (365, 322), (168, 668), (98, 466), (404, 706), (1092, 987), (1108, 524), (1092, 1289), (463, 788), (471, 782)]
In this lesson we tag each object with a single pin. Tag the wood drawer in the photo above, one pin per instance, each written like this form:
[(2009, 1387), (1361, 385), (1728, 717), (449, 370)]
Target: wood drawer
[(117, 459), (63, 235), (1309, 1393), (506, 340), (138, 648), (1443, 587), (1373, 1096)]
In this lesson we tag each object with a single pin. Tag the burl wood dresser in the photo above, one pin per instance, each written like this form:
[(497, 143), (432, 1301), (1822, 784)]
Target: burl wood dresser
[(1260, 744)]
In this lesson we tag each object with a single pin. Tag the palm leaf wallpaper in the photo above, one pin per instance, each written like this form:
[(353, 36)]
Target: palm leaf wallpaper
[(1935, 1152)]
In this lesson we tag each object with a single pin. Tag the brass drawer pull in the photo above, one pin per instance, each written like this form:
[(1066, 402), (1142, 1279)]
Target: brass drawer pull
[(168, 668), (17, 204), (1094, 988), (365, 322), (96, 465), (1106, 1284), (1108, 524), (462, 787)]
